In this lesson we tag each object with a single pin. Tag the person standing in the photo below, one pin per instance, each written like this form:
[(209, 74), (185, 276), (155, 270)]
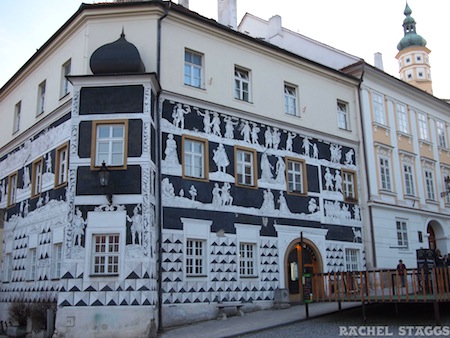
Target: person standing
[(401, 270)]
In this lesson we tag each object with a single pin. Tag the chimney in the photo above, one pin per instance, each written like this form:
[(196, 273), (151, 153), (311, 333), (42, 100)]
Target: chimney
[(184, 3), (227, 13), (378, 60), (275, 29)]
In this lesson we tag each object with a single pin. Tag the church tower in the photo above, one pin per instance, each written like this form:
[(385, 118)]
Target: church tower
[(413, 60)]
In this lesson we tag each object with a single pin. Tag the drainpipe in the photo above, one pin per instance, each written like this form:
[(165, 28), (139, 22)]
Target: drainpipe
[(167, 6), (374, 257)]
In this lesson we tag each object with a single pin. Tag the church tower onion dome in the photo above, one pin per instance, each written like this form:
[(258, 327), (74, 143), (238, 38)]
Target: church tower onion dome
[(117, 57), (411, 38)]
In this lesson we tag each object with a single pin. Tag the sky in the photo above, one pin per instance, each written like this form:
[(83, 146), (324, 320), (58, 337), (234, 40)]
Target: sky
[(358, 27)]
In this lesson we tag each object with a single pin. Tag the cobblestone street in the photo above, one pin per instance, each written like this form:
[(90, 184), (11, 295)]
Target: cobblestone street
[(412, 321)]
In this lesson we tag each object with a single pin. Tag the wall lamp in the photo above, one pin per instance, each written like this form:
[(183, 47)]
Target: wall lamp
[(103, 175), (447, 187)]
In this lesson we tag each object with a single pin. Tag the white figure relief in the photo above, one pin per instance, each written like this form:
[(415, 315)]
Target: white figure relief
[(220, 157), (216, 196), (255, 132), (266, 169), (48, 163), (137, 226), (349, 157), (328, 179), (268, 138), (312, 205), (336, 153), (193, 192), (181, 193), (276, 138), (280, 169), (227, 199), (306, 146), (178, 115), (26, 177), (357, 235), (40, 202), (229, 127), (356, 212), (216, 125), (78, 227), (268, 204), (167, 188), (283, 203), (246, 131), (2, 191), (206, 120), (47, 198), (338, 181), (315, 151), (345, 213), (171, 156), (290, 141)]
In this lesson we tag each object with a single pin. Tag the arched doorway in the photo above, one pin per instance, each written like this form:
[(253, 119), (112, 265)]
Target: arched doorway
[(437, 239), (431, 238), (299, 258)]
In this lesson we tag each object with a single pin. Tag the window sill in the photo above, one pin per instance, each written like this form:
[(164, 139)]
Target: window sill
[(104, 275)]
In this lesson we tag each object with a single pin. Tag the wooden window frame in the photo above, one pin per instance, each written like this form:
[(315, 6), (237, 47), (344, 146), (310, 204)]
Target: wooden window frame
[(352, 173), (59, 150), (36, 179), (254, 184), (304, 191), (12, 197), (205, 155)]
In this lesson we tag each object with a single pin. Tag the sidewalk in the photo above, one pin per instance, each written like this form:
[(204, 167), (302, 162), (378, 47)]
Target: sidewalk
[(253, 321)]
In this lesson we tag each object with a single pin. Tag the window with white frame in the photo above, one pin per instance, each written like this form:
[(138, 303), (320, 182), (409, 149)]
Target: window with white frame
[(12, 189), (36, 182), (342, 114), (193, 68), (110, 140), (17, 115), (61, 167), (349, 185), (385, 173), (247, 259), (194, 157), (41, 98), (441, 134), (429, 184), (241, 84), (195, 258), (408, 176), (57, 261), (402, 234), (105, 254), (402, 118), (378, 108), (352, 259), (245, 166), (290, 100), (65, 84), (296, 179), (32, 261), (423, 126)]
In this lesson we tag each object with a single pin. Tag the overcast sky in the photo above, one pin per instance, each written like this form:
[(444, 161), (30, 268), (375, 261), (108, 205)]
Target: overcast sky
[(358, 27)]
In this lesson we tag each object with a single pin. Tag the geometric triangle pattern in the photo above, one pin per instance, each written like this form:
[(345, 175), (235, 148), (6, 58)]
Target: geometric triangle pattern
[(335, 258)]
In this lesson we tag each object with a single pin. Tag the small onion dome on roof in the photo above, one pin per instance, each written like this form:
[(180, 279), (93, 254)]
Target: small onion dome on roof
[(117, 57), (411, 38)]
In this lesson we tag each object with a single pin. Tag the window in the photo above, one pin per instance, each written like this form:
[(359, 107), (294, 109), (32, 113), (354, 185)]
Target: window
[(195, 257), (378, 108), (296, 178), (7, 277), (65, 84), (290, 100), (245, 166), (409, 179), (17, 112), (402, 118), (194, 159), (429, 184), (36, 182), (241, 84), (349, 185), (41, 98), (12, 189), (57, 261), (105, 255), (352, 259), (247, 259), (423, 126), (385, 173), (61, 167), (402, 234), (110, 139), (193, 69), (440, 126), (342, 113), (32, 260), (447, 196)]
